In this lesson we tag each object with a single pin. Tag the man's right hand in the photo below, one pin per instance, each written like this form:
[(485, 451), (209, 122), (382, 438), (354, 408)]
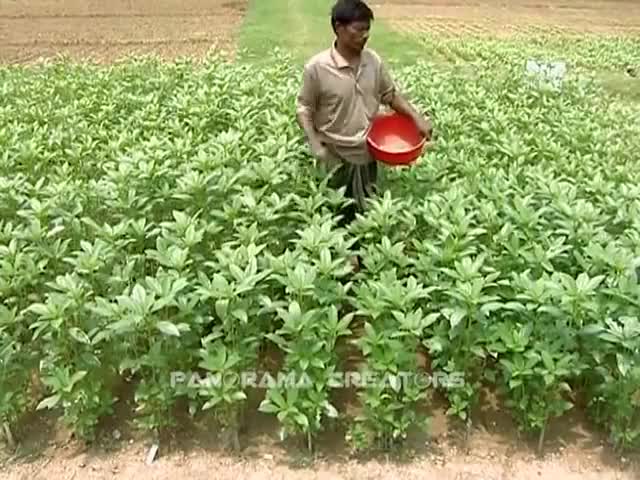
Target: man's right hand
[(319, 151)]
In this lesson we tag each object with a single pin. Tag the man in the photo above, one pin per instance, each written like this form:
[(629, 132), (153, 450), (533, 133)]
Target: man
[(343, 88)]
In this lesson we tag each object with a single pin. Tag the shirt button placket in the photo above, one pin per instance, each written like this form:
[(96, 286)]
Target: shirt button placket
[(356, 80)]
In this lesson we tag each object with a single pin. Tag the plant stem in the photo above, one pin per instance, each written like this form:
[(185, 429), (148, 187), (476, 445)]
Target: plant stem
[(541, 437), (8, 435)]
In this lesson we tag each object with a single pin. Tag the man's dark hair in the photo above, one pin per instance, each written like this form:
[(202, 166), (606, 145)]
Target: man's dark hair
[(349, 11)]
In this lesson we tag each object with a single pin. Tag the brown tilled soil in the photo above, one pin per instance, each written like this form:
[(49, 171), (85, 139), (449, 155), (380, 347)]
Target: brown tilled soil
[(504, 18), (194, 454), (493, 451), (106, 31)]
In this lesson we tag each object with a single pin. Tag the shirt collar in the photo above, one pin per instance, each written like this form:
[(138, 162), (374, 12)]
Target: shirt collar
[(340, 61)]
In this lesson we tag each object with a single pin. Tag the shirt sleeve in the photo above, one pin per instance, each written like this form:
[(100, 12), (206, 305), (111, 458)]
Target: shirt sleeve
[(387, 87), (307, 97)]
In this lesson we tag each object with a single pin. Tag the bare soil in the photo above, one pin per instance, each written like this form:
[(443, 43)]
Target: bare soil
[(493, 452), (515, 17), (106, 31)]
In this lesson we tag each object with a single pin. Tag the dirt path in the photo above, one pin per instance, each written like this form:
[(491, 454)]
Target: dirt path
[(494, 451), (128, 463), (107, 31)]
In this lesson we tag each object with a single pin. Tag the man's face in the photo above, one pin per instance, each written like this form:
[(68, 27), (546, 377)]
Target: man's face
[(354, 35)]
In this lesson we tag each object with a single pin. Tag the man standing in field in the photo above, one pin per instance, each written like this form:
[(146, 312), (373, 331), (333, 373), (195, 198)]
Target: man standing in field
[(343, 88)]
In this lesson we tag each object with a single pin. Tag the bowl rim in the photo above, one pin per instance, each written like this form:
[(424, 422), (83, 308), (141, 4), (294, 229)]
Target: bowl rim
[(375, 145)]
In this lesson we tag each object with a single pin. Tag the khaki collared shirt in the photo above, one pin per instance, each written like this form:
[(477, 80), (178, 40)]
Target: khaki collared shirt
[(341, 100)]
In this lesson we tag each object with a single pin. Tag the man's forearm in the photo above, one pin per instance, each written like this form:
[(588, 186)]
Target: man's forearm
[(402, 106), (306, 123)]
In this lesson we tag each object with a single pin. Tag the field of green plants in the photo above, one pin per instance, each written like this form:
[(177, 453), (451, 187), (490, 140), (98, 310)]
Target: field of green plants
[(167, 217), (593, 53)]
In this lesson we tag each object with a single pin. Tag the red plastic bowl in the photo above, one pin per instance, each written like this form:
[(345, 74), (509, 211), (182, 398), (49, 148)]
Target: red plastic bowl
[(394, 139)]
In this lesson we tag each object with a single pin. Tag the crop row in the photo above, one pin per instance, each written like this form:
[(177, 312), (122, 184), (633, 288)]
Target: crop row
[(585, 52), (162, 218)]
